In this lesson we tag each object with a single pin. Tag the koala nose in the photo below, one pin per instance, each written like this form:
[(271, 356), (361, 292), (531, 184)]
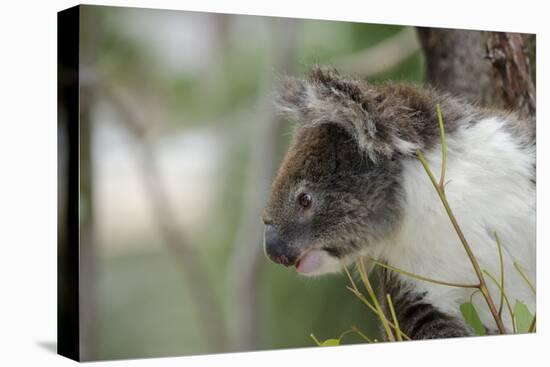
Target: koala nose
[(276, 249)]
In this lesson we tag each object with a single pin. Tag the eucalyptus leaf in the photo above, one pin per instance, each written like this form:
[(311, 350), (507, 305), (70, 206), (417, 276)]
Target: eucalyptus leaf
[(330, 343), (472, 318), (523, 317), (326, 343)]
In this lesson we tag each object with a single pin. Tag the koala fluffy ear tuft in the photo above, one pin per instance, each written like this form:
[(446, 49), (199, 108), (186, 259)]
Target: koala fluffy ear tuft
[(301, 99), (326, 97), (292, 98)]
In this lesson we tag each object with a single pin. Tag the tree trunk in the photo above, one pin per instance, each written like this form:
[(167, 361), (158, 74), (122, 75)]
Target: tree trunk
[(509, 57), (455, 62), (492, 69)]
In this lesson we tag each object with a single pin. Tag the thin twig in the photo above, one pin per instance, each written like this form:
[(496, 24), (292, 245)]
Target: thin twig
[(350, 277), (315, 339), (473, 294), (440, 191), (378, 312), (443, 148), (358, 294), (344, 334), (473, 260), (420, 277), (363, 299), (394, 317), (356, 329), (531, 286), (370, 291), (533, 326), (505, 298), (501, 264)]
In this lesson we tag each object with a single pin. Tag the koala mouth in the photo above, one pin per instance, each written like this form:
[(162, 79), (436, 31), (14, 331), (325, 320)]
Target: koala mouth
[(310, 261)]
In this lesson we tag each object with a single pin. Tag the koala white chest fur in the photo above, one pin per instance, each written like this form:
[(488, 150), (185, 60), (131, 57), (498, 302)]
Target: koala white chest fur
[(489, 188)]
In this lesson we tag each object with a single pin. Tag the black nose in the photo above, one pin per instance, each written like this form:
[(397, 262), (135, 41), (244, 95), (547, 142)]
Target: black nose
[(276, 249)]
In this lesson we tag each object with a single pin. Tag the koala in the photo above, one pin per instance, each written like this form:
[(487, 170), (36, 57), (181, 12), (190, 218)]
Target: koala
[(351, 186)]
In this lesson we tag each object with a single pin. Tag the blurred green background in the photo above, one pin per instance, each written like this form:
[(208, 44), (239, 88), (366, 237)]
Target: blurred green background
[(179, 147)]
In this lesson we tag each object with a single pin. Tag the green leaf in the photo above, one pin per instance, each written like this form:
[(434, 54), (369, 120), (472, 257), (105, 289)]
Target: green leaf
[(523, 317), (472, 318), (330, 343), (326, 343)]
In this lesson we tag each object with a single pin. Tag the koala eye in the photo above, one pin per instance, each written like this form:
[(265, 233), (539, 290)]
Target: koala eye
[(305, 199)]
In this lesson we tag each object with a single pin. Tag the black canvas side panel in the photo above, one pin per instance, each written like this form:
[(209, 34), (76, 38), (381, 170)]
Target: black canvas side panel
[(67, 206)]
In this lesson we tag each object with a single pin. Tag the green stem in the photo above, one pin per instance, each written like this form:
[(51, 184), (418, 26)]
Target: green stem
[(505, 298), (443, 147), (533, 326), (363, 299), (394, 317), (350, 278), (344, 334), (473, 260), (356, 329), (516, 265), (472, 295), (501, 264), (419, 277), (315, 339), (370, 291)]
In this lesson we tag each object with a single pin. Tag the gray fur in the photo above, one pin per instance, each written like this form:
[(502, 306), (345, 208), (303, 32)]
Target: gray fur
[(377, 117), (417, 318), (355, 200)]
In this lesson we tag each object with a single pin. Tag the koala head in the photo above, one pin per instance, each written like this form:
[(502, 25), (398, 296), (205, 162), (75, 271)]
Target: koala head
[(338, 190)]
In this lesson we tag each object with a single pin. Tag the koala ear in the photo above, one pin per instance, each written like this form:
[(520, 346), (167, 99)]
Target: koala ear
[(326, 97), (293, 98)]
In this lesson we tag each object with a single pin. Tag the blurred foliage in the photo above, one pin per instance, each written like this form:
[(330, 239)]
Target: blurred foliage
[(297, 306), (325, 40), (145, 309), (411, 70)]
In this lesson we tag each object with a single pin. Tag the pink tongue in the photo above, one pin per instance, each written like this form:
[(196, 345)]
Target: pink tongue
[(310, 262)]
